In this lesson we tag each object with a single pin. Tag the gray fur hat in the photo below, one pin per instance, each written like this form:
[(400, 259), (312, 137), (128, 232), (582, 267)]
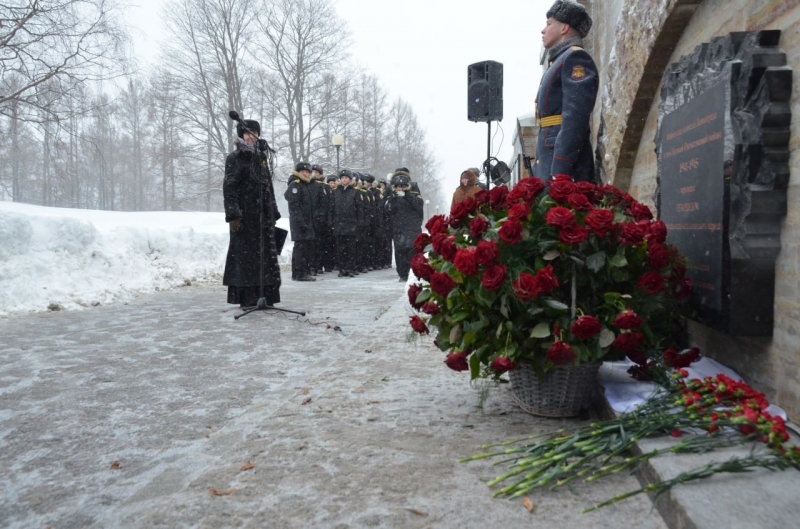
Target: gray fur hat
[(572, 13)]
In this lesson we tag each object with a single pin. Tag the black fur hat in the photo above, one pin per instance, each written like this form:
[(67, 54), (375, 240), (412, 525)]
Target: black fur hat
[(317, 168), (400, 179), (572, 13), (331, 178), (250, 124), (302, 166), (369, 178), (346, 172)]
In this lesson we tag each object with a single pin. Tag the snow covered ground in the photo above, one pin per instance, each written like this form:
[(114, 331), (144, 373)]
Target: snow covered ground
[(73, 258)]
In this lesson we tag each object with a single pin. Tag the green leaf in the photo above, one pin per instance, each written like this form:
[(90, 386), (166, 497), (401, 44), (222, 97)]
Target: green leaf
[(552, 254), (499, 330), (470, 339), (483, 354), (460, 316), (607, 337), (424, 296), (542, 330), (618, 261), (474, 366), (504, 306), (596, 261), (552, 303), (455, 334)]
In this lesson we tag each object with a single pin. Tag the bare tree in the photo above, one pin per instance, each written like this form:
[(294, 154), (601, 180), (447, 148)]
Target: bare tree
[(45, 41)]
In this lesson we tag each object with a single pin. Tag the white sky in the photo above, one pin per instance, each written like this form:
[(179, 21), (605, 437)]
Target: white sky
[(420, 50)]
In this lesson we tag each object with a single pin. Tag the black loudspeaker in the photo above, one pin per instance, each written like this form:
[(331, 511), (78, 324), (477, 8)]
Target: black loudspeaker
[(485, 91)]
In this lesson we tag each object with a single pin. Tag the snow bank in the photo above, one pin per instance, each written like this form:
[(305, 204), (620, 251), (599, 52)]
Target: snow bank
[(72, 258)]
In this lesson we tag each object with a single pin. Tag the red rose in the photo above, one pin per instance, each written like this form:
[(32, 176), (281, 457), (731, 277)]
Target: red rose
[(599, 221), (532, 185), (526, 287), (493, 278), (477, 227), (586, 327), (422, 240), (501, 365), (573, 234), (510, 232), (458, 213), (497, 197), (560, 190), (448, 249), (418, 325), (559, 217), (515, 195), (430, 308), (481, 197), (579, 202), (657, 256), (436, 224), (628, 342), (561, 353), (442, 284), (657, 231), (546, 280), (486, 252), (421, 268), (465, 262), (631, 234), (519, 212), (590, 190), (652, 283), (639, 211), (627, 320), (457, 361), (470, 204), (413, 292)]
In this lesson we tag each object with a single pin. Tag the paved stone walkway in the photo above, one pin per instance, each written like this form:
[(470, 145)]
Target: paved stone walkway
[(128, 415)]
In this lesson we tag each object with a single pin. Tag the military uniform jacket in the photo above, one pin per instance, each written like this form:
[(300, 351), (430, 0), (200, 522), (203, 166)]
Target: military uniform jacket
[(569, 89), (321, 205), (301, 197), (345, 210), (405, 218)]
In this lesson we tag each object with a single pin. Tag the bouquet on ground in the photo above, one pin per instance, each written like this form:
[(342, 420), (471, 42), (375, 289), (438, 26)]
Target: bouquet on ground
[(572, 273)]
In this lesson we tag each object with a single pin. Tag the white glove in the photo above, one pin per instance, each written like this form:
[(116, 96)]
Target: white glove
[(401, 193)]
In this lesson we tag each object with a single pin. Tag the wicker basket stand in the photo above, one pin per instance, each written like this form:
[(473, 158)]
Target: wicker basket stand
[(564, 391)]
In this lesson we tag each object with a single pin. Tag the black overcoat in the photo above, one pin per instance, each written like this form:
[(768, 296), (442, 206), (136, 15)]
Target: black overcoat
[(245, 173), (301, 197), (405, 218), (346, 210), (568, 89)]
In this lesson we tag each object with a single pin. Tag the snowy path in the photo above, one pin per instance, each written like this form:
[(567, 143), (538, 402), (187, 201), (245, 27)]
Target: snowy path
[(126, 415)]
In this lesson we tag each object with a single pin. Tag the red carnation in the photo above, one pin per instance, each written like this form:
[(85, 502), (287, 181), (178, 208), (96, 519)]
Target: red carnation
[(457, 361), (573, 234), (493, 277), (526, 287), (657, 256), (510, 232), (560, 190), (651, 283), (559, 217), (436, 224), (627, 320), (418, 325), (421, 268), (430, 308), (586, 327), (628, 342), (519, 212), (546, 280), (599, 221), (579, 202), (477, 227), (465, 262), (497, 197), (414, 291), (486, 252), (501, 365), (442, 284), (561, 353), (422, 240)]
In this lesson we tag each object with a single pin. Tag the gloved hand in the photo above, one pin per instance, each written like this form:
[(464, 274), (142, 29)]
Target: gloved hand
[(235, 224)]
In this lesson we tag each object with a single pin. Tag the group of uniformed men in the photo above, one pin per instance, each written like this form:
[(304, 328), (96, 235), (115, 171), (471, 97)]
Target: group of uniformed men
[(346, 223)]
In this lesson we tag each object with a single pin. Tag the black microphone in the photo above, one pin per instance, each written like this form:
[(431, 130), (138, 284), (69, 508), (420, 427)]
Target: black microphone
[(234, 115)]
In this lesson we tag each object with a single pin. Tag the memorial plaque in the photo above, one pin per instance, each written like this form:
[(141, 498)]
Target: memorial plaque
[(693, 189), (722, 145)]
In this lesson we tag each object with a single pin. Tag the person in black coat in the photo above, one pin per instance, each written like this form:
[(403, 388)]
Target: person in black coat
[(345, 223), (406, 211), (321, 226), (246, 174), (566, 96), (301, 195)]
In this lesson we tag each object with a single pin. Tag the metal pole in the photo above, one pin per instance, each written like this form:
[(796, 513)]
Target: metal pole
[(488, 155), (337, 160)]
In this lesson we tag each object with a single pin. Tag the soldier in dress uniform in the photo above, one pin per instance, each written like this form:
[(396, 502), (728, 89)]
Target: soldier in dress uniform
[(329, 241), (566, 96), (301, 197), (384, 236), (345, 223), (321, 227)]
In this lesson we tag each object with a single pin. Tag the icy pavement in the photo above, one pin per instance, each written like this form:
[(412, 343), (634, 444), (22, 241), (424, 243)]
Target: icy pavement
[(129, 414)]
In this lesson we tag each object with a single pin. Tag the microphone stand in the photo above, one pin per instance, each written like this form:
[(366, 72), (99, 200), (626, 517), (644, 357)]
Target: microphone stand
[(261, 304)]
